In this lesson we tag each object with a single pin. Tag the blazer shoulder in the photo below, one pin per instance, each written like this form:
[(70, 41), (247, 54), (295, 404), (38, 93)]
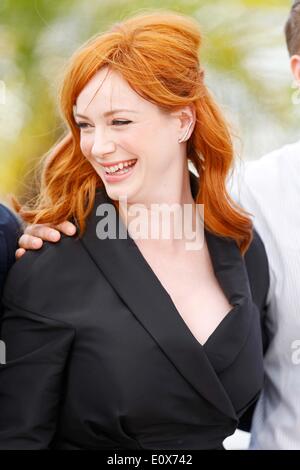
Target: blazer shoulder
[(10, 226), (41, 272), (10, 230), (257, 265), (8, 218)]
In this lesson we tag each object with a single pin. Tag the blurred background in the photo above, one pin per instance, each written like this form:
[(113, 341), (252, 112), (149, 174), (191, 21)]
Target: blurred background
[(244, 54)]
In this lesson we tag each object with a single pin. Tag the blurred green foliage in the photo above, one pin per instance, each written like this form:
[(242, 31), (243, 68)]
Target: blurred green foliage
[(244, 56)]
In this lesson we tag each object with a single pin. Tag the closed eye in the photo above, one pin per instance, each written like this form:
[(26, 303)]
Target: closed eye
[(82, 125), (121, 122), (118, 122)]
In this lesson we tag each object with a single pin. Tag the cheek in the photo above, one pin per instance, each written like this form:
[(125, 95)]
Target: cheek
[(85, 146), (141, 142)]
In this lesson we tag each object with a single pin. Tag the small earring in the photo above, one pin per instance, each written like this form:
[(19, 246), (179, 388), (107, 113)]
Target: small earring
[(185, 135)]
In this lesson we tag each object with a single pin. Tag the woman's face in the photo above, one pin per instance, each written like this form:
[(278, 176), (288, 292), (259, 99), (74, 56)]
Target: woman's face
[(135, 130)]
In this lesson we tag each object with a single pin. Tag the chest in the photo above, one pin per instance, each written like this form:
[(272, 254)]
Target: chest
[(190, 281)]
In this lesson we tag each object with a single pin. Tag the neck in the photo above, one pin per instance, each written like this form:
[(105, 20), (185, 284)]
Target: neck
[(169, 225)]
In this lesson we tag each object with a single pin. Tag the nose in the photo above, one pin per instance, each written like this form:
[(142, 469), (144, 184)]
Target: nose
[(102, 146)]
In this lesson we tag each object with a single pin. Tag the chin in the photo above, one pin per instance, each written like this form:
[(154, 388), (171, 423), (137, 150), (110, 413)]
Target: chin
[(114, 194)]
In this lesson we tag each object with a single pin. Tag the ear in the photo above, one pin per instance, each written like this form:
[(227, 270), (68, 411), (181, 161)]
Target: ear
[(295, 66), (186, 116)]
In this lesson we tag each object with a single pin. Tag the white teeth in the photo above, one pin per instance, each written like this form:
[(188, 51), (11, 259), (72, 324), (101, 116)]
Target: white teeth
[(120, 166), (123, 171)]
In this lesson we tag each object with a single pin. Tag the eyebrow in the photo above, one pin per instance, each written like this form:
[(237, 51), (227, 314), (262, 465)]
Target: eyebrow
[(107, 113)]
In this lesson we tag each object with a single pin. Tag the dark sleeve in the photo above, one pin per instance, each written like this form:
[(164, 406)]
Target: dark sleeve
[(259, 278), (31, 380), (258, 273), (10, 231)]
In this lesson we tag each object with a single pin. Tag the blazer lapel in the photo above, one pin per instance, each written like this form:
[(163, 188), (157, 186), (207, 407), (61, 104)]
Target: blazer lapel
[(123, 265)]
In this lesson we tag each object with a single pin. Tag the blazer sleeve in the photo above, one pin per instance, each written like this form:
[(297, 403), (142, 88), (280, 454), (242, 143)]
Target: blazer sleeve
[(31, 379), (10, 231), (258, 272), (259, 278)]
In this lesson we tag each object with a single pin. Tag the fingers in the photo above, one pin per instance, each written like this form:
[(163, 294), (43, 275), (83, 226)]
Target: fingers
[(51, 234), (29, 242), (41, 231), (35, 234), (67, 228), (19, 253)]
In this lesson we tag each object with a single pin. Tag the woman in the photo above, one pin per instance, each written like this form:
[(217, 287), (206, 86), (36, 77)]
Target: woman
[(123, 343)]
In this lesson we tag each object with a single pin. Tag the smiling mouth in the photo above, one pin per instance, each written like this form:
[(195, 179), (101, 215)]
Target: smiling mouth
[(120, 169)]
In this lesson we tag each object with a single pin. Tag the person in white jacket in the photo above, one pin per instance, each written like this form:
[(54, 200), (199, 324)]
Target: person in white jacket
[(269, 188)]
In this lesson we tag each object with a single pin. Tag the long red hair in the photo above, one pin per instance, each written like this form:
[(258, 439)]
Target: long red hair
[(158, 54)]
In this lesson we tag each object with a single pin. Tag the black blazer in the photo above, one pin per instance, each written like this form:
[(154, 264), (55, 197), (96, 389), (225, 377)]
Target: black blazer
[(98, 357), (10, 230)]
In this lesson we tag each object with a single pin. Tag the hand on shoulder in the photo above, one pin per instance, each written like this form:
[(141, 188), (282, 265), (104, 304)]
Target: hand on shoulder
[(35, 235)]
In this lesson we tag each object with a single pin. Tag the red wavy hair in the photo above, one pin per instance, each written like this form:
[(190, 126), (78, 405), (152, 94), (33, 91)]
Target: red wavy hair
[(158, 54)]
